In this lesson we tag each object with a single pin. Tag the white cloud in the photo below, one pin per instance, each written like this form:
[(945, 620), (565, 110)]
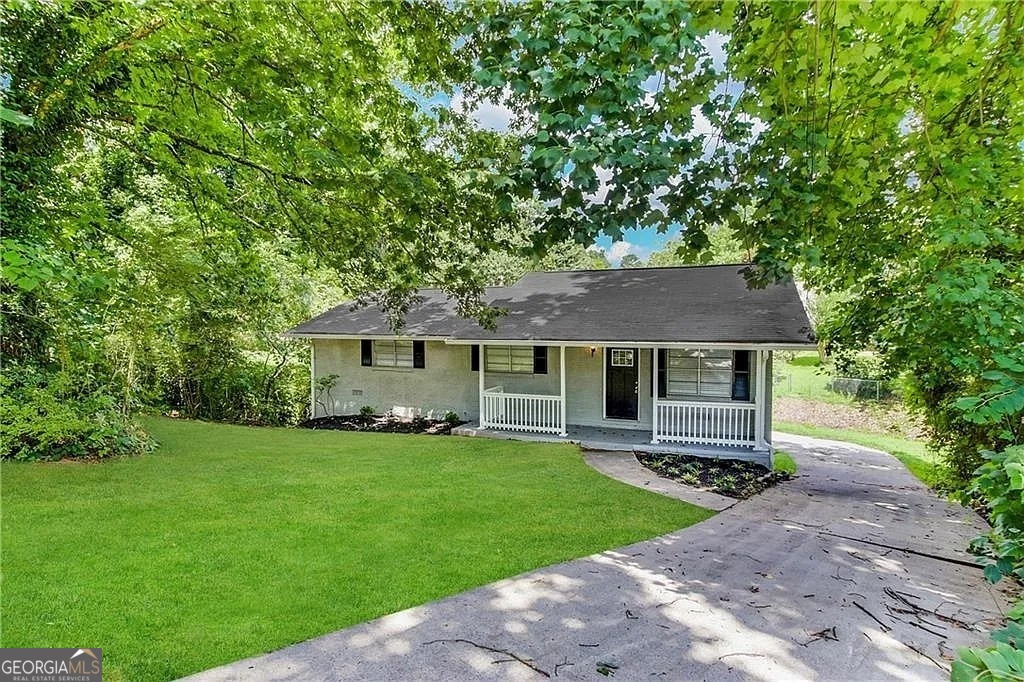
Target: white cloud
[(488, 114), (620, 249)]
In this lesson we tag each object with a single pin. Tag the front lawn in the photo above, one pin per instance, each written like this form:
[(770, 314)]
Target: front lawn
[(230, 541)]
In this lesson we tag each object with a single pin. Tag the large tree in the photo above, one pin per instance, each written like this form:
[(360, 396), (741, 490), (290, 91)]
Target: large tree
[(301, 119)]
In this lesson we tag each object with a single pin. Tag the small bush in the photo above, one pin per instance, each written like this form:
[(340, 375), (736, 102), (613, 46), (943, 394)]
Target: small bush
[(367, 410), (51, 417), (452, 417), (859, 365)]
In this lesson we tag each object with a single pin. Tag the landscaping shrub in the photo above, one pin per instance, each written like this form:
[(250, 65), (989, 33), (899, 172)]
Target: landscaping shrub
[(56, 416)]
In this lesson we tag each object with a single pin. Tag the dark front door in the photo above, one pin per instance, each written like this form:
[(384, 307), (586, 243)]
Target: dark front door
[(620, 388)]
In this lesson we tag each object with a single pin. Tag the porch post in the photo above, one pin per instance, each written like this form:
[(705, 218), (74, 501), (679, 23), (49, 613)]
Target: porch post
[(654, 396), (481, 364), (312, 379), (561, 367), (759, 401)]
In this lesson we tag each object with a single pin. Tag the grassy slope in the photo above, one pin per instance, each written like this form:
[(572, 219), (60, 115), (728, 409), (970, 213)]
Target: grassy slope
[(231, 541), (924, 464)]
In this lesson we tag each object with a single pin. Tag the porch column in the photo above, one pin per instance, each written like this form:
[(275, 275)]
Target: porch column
[(561, 367), (312, 380), (481, 364), (759, 400), (654, 396)]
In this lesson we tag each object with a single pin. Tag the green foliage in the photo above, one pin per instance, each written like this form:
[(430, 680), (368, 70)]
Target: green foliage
[(886, 171), (999, 482), (859, 365), (1000, 662), (367, 410), (452, 417), (54, 417), (609, 97), (514, 253), (722, 247)]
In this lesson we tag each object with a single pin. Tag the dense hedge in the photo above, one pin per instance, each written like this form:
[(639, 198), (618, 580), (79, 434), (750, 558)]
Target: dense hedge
[(52, 417)]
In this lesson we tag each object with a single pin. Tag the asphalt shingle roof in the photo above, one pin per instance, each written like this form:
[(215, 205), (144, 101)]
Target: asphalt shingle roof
[(709, 304)]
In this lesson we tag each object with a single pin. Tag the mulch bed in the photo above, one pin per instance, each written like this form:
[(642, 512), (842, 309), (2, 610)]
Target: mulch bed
[(382, 424), (729, 477)]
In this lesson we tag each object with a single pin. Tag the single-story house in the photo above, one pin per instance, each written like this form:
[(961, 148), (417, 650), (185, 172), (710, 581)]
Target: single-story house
[(677, 356)]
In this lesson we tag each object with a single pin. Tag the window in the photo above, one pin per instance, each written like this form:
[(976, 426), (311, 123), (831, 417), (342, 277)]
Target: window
[(394, 354), (622, 357), (741, 375), (699, 372), (518, 359)]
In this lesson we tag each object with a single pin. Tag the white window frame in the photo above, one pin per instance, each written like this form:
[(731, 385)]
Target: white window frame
[(383, 358), (499, 359), (619, 353)]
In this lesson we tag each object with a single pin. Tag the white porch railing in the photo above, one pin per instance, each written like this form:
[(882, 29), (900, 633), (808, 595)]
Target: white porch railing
[(732, 424), (521, 411)]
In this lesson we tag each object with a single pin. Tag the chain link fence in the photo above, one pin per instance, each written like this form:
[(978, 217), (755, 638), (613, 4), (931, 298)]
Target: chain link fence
[(826, 387)]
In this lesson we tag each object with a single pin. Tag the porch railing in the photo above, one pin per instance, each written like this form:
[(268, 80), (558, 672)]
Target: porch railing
[(521, 411), (707, 423)]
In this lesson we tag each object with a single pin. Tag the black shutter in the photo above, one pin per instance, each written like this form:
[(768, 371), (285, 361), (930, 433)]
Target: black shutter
[(663, 373), (419, 354), (366, 352), (474, 357), (540, 359), (741, 375)]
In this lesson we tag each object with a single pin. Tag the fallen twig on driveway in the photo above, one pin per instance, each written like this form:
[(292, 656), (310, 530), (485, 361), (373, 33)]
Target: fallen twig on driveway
[(511, 655), (885, 628)]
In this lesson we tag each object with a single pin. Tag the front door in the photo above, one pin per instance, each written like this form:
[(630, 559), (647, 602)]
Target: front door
[(620, 387)]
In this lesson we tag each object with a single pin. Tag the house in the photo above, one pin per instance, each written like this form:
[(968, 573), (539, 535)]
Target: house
[(659, 357)]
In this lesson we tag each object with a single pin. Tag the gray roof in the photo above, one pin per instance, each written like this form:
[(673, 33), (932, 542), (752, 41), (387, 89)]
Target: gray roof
[(701, 304)]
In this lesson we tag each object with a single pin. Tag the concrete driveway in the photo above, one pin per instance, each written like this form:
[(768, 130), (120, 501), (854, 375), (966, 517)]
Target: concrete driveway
[(853, 571)]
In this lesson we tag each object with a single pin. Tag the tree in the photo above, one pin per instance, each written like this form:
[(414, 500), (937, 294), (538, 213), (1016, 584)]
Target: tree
[(299, 120), (613, 100), (514, 254), (722, 248)]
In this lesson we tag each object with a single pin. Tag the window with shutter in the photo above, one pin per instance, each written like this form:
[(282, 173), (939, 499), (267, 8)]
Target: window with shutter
[(393, 353), (709, 373)]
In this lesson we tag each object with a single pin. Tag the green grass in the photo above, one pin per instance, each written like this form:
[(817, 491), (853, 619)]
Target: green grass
[(921, 462), (783, 461), (804, 377), (230, 541)]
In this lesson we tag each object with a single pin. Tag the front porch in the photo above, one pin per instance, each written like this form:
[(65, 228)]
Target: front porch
[(667, 398), (620, 440)]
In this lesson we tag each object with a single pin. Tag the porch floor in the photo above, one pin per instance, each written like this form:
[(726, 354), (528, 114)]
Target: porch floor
[(619, 440)]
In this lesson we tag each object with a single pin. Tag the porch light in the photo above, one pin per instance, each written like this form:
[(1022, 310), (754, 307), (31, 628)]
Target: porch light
[(593, 350)]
